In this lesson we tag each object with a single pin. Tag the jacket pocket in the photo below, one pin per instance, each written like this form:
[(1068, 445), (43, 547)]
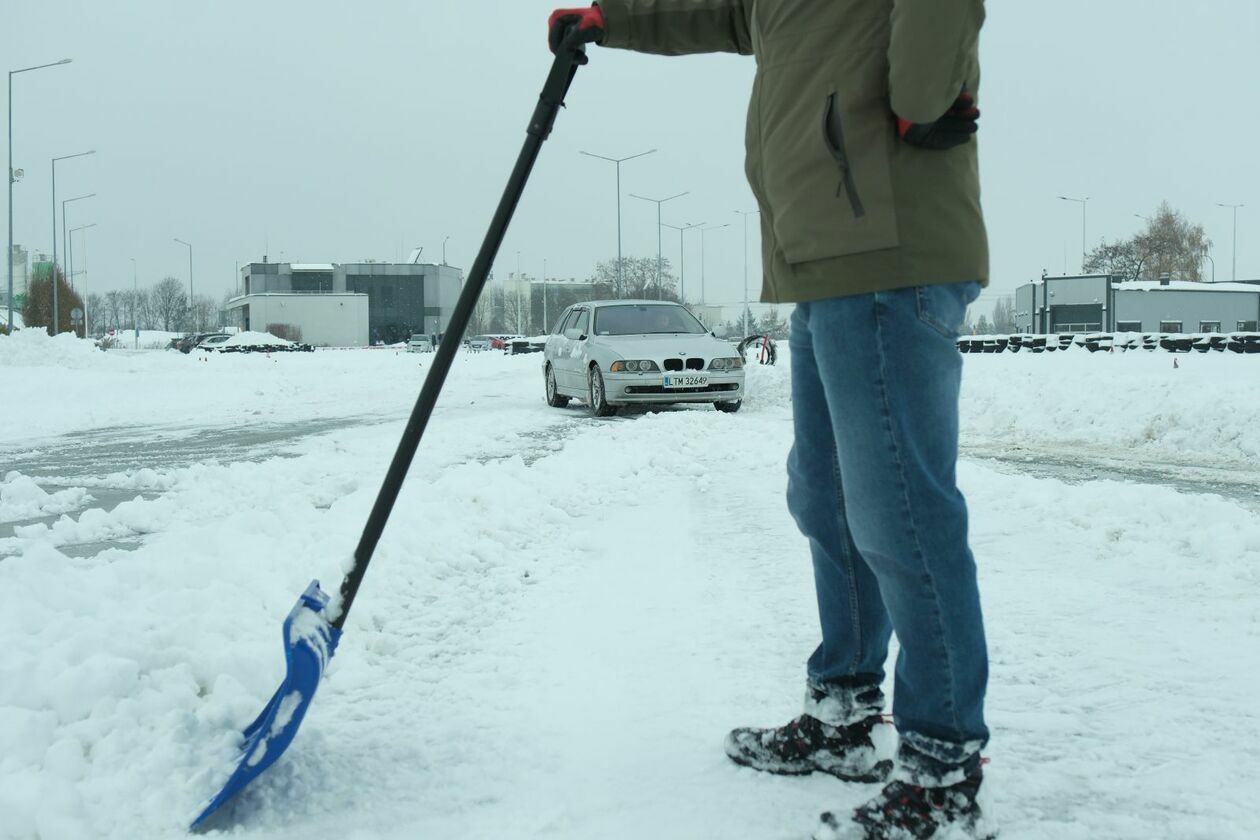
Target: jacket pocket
[(834, 138), (831, 195)]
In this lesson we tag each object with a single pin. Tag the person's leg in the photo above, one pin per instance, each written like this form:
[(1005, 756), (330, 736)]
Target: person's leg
[(840, 731), (847, 668), (891, 372)]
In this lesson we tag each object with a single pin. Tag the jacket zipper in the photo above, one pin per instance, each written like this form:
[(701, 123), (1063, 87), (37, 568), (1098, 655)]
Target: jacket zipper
[(836, 147)]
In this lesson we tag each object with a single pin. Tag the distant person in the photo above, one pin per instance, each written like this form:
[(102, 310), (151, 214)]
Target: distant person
[(862, 157)]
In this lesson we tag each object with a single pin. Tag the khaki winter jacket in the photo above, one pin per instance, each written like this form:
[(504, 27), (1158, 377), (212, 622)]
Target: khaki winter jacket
[(846, 206)]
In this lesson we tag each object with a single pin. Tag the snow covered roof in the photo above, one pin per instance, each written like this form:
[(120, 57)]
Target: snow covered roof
[(1184, 286), (17, 316), (311, 266)]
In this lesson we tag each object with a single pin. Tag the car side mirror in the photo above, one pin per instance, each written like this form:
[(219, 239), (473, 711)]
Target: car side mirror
[(582, 337)]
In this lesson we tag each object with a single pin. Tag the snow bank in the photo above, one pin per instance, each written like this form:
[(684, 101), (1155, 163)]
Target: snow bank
[(36, 348), (21, 498)]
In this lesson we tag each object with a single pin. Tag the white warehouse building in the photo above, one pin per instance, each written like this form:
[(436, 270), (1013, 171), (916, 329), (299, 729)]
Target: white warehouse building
[(1106, 303)]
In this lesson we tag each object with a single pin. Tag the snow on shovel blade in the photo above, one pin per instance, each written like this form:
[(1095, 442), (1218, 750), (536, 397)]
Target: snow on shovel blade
[(309, 643)]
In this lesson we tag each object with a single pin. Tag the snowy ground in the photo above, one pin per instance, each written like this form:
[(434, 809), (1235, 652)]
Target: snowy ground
[(566, 615)]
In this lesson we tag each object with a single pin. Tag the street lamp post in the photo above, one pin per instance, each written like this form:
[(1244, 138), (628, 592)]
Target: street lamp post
[(1234, 271), (746, 214), (64, 235), (618, 162), (1213, 262), (703, 231), (135, 301), (658, 202), (70, 260), (190, 276), (682, 258), (1083, 202), (56, 305), (12, 180)]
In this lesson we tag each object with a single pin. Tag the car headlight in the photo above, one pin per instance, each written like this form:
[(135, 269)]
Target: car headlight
[(731, 363), (634, 366)]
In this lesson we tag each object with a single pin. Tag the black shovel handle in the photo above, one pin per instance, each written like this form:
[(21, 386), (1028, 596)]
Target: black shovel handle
[(569, 56)]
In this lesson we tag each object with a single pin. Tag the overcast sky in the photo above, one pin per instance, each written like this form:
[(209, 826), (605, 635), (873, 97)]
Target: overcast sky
[(336, 132)]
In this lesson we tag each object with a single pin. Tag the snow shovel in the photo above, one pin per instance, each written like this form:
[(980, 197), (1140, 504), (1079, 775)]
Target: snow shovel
[(313, 628)]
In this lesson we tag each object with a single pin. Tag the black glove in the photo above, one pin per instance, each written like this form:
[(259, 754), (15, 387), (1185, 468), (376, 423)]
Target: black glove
[(953, 129)]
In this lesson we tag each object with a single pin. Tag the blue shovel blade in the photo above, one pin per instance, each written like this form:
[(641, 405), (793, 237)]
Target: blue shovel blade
[(309, 644)]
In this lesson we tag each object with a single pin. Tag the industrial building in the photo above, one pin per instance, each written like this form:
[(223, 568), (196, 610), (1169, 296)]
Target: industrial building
[(1107, 303), (346, 305)]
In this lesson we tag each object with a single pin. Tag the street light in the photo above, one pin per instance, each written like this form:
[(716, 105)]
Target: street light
[(703, 231), (658, 202), (682, 258), (56, 310), (618, 162), (1083, 202), (1234, 271), (12, 180), (190, 280), (70, 261), (70, 276), (746, 214), (135, 301)]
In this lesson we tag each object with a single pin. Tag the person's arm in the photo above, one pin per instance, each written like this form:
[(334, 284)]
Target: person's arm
[(928, 55), (677, 27)]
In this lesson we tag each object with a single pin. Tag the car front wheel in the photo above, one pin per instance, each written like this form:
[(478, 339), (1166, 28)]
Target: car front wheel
[(554, 398), (598, 399)]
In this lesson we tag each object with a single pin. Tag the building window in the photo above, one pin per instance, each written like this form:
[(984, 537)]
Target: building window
[(1246, 326), (1170, 326), (1209, 326), (1128, 326)]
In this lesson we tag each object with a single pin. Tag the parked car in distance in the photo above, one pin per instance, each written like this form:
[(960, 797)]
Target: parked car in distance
[(621, 352), (211, 342), (420, 343), (189, 341)]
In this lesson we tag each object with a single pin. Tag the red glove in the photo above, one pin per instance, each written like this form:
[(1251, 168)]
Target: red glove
[(589, 22), (954, 127)]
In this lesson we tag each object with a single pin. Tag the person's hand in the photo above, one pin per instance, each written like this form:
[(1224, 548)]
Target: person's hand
[(589, 22), (954, 128)]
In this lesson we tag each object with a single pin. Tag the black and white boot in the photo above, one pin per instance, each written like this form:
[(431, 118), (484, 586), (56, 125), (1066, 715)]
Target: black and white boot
[(903, 811), (805, 745)]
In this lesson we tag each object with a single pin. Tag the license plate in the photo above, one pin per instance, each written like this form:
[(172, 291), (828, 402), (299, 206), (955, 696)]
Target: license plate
[(686, 381)]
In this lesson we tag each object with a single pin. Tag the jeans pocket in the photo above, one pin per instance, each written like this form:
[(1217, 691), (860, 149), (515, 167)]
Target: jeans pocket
[(944, 307)]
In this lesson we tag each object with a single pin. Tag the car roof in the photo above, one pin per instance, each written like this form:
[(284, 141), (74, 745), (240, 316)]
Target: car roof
[(627, 302)]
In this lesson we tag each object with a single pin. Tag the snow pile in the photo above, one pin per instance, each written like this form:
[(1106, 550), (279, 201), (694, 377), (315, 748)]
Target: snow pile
[(565, 615), (1121, 405), (21, 498), (36, 348), (249, 338)]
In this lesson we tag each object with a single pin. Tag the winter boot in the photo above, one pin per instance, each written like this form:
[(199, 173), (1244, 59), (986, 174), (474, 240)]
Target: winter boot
[(903, 811), (807, 744)]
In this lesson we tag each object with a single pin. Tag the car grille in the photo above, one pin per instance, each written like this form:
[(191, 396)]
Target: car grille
[(691, 364), (660, 389)]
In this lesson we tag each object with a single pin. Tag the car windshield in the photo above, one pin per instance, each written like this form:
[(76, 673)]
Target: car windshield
[(645, 319)]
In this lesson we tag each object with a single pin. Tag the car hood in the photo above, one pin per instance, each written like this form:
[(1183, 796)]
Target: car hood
[(663, 346)]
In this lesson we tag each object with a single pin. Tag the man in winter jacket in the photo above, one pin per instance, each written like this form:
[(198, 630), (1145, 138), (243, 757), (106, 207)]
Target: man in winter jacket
[(861, 153)]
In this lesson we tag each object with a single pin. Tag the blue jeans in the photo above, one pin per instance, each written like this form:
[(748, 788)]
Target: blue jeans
[(871, 484)]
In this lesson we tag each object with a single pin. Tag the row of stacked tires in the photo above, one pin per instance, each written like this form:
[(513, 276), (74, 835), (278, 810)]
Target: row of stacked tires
[(1237, 342), (266, 348)]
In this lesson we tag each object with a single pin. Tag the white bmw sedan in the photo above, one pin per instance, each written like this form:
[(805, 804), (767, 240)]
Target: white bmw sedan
[(610, 353)]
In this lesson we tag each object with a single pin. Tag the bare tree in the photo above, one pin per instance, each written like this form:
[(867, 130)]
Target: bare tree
[(111, 313), (1004, 316), (637, 278), (170, 304), (204, 314), (1169, 244)]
